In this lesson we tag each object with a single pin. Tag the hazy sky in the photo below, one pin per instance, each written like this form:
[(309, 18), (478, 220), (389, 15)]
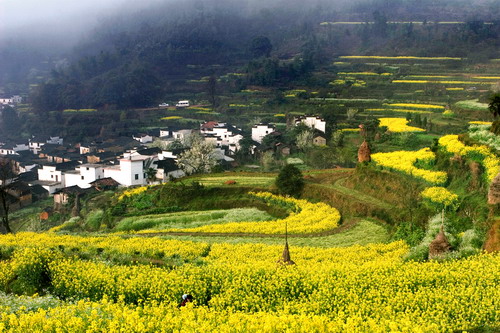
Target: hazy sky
[(42, 14)]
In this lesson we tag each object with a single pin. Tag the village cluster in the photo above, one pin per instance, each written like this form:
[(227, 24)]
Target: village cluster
[(49, 166)]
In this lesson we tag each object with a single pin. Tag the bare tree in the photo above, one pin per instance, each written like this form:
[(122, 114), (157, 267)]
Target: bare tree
[(7, 173)]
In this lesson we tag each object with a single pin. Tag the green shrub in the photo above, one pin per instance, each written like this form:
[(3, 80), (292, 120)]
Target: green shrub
[(290, 181), (93, 219), (31, 269), (410, 233)]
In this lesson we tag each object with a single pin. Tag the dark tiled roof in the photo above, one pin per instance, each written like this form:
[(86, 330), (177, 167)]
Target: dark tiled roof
[(108, 181), (65, 166), (149, 151), (168, 165), (75, 189), (21, 187), (38, 190), (28, 176)]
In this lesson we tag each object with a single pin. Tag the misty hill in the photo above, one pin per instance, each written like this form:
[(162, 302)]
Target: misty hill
[(137, 58)]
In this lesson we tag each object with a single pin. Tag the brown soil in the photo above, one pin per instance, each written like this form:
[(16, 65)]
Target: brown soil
[(492, 243)]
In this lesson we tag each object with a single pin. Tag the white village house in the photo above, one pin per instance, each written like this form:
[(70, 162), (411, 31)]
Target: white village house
[(314, 122), (222, 134), (259, 131)]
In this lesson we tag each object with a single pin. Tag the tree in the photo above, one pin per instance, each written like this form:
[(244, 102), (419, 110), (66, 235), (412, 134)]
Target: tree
[(150, 175), (290, 181), (212, 91), (7, 173), (200, 158), (305, 139), (494, 105), (261, 47)]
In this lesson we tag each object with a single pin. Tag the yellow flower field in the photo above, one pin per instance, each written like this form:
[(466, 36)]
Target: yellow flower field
[(306, 217), (489, 160), (399, 58), (442, 82), (171, 118), (480, 122), (398, 125), (404, 161), (417, 106), (439, 195), (242, 288)]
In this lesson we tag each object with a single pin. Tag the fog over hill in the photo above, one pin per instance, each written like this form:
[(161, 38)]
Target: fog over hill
[(38, 37)]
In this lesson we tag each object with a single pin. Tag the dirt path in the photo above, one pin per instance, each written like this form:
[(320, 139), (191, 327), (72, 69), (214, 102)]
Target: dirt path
[(338, 186)]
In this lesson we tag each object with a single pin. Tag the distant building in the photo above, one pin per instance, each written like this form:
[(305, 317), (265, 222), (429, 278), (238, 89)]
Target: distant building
[(222, 135), (13, 148), (259, 131), (143, 138), (314, 122), (131, 170), (168, 169), (319, 140)]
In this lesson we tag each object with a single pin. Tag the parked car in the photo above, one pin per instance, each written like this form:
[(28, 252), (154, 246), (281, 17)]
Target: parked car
[(182, 104), (163, 105)]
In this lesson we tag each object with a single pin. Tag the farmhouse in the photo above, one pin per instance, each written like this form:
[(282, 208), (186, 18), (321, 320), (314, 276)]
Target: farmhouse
[(259, 131), (314, 122), (222, 135)]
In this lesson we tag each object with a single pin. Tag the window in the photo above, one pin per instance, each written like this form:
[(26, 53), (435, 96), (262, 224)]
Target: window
[(88, 168), (136, 176), (52, 176), (83, 177)]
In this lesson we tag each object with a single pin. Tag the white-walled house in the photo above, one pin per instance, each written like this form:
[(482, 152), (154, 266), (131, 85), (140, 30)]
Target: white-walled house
[(168, 169), (35, 145), (83, 175), (16, 99), (55, 140), (131, 170), (13, 148), (222, 134), (51, 178), (314, 122), (259, 131), (182, 134), (143, 138)]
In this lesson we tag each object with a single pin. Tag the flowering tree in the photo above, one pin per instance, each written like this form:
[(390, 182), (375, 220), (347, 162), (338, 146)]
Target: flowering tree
[(200, 158)]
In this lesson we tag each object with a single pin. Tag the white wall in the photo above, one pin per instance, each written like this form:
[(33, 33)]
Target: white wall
[(49, 173), (127, 173), (314, 122), (21, 147), (260, 131), (86, 174)]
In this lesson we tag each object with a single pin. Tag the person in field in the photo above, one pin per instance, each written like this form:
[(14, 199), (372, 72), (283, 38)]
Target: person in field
[(186, 298)]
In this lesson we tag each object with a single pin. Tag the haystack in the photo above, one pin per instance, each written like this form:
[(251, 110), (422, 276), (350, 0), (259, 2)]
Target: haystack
[(364, 153), (439, 245), (285, 258)]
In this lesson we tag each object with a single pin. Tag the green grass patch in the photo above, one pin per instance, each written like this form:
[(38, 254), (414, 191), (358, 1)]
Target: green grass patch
[(363, 233), (249, 179), (472, 105), (191, 219)]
